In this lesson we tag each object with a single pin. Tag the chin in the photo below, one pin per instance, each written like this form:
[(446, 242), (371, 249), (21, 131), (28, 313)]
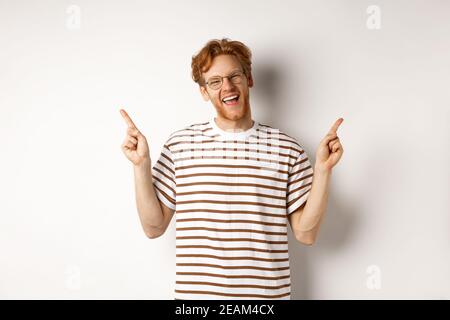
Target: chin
[(229, 114), (233, 115)]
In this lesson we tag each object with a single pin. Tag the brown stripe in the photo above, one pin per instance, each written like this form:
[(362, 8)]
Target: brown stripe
[(230, 248), (299, 151), (296, 199), (161, 172), (187, 135), (192, 129), (233, 211), (236, 295), (230, 258), (164, 184), (165, 195), (230, 267), (300, 170), (233, 230), (235, 149), (235, 158), (199, 124), (297, 189), (165, 156), (278, 133), (300, 179), (234, 221), (270, 133), (240, 276), (249, 203), (235, 285), (156, 167), (190, 142), (230, 184), (236, 175), (290, 139), (231, 239), (258, 142), (233, 193), (211, 165), (203, 142)]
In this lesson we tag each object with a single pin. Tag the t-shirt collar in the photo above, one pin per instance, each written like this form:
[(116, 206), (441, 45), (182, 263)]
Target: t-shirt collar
[(233, 135)]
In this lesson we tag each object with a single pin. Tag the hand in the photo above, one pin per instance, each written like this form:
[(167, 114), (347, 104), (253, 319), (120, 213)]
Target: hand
[(330, 149), (135, 145)]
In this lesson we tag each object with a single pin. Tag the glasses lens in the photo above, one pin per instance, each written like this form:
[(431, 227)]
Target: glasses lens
[(236, 77), (215, 83)]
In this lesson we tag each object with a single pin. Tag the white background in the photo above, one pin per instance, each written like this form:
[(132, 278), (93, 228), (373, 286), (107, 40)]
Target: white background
[(68, 222)]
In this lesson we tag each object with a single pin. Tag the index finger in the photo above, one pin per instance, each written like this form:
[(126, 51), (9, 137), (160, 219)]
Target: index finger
[(336, 125), (127, 118)]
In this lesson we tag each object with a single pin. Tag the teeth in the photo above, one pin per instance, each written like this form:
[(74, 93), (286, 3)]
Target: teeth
[(229, 98)]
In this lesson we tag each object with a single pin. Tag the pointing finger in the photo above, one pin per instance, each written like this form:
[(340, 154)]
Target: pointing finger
[(336, 125), (127, 118)]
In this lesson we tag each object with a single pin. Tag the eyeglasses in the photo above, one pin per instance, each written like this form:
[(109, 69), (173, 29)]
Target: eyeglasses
[(216, 82)]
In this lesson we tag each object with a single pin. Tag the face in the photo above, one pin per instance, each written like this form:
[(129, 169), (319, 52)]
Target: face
[(225, 65)]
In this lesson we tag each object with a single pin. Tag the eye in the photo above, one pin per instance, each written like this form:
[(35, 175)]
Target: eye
[(235, 77), (214, 82)]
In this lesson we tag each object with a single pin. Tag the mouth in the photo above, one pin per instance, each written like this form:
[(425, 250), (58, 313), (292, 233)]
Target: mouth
[(231, 100)]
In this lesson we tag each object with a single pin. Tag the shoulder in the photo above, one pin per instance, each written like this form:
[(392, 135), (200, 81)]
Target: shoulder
[(285, 138), (187, 131)]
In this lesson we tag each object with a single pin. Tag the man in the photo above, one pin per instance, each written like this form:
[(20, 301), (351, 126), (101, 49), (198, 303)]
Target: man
[(234, 183)]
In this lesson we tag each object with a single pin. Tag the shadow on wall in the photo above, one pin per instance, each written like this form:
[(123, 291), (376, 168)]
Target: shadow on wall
[(339, 220), (338, 224), (268, 87)]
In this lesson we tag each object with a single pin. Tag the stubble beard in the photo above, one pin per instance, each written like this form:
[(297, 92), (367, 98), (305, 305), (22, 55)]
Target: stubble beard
[(230, 114)]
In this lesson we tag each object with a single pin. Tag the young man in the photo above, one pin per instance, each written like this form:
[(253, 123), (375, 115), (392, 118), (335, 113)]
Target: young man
[(234, 184)]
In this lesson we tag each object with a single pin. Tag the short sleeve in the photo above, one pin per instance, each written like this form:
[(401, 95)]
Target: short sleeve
[(164, 178), (299, 183)]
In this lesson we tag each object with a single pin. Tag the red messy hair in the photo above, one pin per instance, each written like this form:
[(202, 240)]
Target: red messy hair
[(201, 62)]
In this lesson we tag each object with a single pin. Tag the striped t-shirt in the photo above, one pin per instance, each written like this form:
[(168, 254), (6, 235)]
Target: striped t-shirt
[(232, 192)]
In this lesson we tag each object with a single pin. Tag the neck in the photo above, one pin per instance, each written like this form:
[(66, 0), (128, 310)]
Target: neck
[(242, 124)]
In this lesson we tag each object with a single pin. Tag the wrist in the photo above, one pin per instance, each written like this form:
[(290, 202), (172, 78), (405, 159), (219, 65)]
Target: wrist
[(320, 170), (143, 165)]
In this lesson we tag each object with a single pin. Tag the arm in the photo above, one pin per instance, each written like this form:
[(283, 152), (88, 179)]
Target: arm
[(305, 221), (154, 215)]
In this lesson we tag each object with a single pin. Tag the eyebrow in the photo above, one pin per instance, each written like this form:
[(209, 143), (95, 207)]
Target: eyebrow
[(216, 75)]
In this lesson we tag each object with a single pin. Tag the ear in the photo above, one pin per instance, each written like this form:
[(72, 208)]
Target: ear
[(250, 81), (204, 93)]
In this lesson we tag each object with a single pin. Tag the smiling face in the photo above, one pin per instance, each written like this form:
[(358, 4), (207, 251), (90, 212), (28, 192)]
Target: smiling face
[(225, 65)]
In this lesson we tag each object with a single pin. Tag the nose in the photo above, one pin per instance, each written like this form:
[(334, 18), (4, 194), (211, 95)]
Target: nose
[(227, 84)]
